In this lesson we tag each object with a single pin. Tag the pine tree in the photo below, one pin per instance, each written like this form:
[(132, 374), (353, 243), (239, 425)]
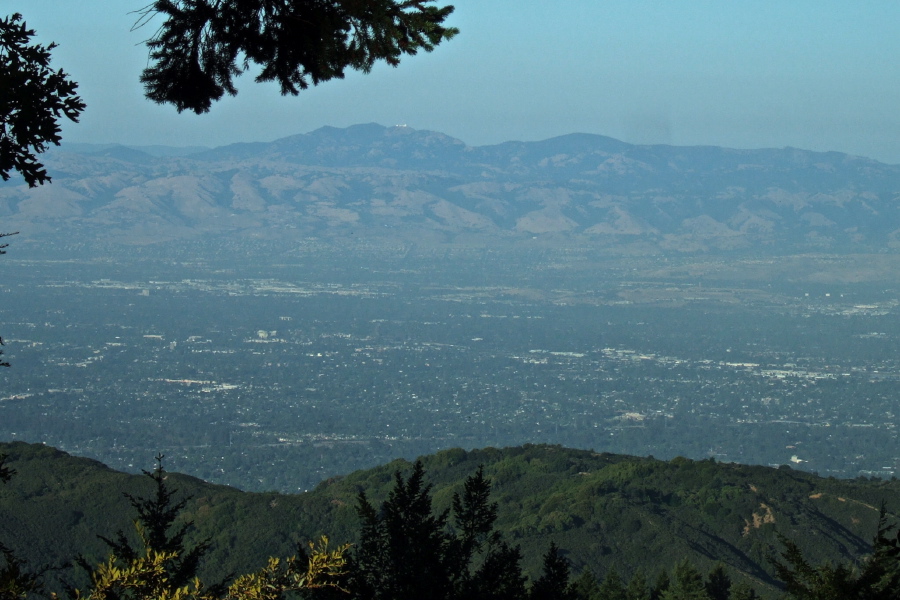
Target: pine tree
[(407, 552), (612, 587), (686, 583), (162, 541), (403, 549), (202, 44), (499, 577), (474, 515), (585, 586), (553, 584), (637, 587), (660, 586), (836, 581), (200, 47), (35, 97), (718, 583), (16, 580)]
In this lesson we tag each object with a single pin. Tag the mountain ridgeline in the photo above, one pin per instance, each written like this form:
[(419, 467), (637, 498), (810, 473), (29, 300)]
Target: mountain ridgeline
[(605, 511), (401, 185)]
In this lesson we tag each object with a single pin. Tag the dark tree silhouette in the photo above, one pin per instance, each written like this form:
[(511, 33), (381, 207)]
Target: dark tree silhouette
[(660, 586), (553, 584), (200, 47), (586, 586), (877, 577), (156, 525), (474, 516), (637, 587), (718, 583), (33, 99), (203, 44), (407, 552), (403, 548), (16, 580), (686, 583), (6, 472), (612, 587), (499, 577)]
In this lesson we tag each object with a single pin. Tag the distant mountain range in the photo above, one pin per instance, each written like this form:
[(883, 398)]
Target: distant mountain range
[(398, 183)]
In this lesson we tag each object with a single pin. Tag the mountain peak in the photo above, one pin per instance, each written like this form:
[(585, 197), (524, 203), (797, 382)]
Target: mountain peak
[(383, 181)]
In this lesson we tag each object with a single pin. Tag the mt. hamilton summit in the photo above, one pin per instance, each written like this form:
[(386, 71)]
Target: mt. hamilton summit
[(402, 184)]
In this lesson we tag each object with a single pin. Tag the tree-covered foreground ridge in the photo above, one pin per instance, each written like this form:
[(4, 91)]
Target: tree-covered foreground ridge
[(524, 522)]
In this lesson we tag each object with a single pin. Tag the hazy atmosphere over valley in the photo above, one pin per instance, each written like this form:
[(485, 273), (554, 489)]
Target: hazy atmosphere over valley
[(669, 231)]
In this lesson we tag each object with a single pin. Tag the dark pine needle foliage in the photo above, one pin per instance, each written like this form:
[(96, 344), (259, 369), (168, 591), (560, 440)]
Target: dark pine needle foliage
[(203, 44)]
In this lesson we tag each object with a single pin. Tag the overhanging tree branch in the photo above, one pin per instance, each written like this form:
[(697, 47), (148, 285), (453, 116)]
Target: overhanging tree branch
[(203, 44), (33, 98)]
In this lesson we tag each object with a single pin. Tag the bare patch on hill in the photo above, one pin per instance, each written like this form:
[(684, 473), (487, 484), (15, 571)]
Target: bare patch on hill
[(759, 519)]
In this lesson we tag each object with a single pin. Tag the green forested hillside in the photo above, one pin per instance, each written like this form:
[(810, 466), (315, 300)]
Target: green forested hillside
[(602, 510), (627, 512)]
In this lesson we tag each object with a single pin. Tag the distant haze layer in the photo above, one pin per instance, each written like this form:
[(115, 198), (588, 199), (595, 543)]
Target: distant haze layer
[(406, 185)]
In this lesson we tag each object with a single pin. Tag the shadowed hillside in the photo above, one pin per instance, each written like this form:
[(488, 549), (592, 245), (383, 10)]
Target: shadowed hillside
[(604, 510)]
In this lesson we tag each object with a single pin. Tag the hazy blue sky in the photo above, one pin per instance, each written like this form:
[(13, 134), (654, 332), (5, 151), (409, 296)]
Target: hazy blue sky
[(816, 74)]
